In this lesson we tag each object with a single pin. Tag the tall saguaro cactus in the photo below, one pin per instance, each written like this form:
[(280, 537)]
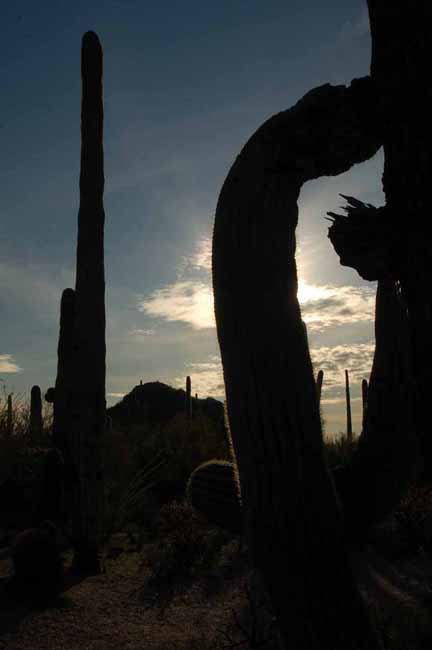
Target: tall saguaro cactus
[(88, 393), (35, 423), (348, 407), (292, 521)]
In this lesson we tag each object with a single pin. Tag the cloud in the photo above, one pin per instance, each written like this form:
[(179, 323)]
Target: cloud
[(7, 364), (206, 378), (186, 301), (198, 263), (119, 395), (325, 306), (140, 332), (355, 357)]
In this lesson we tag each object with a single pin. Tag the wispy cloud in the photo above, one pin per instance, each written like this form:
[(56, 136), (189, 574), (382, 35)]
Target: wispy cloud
[(354, 357), (119, 395), (142, 332), (7, 364), (186, 301), (325, 306)]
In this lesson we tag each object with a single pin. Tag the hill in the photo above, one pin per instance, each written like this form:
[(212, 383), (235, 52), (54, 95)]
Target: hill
[(157, 402)]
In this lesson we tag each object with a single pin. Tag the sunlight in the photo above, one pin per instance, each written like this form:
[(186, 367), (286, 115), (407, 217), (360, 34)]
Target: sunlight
[(309, 292)]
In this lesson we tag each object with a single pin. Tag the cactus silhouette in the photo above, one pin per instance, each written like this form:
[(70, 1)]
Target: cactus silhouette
[(348, 407), (212, 490), (88, 392), (287, 495), (62, 398), (35, 423), (50, 395), (188, 399)]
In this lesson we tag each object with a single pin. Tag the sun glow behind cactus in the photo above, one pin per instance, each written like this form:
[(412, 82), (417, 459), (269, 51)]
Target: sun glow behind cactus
[(309, 292)]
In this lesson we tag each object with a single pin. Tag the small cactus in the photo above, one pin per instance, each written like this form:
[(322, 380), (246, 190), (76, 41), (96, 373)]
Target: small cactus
[(50, 395), (212, 490), (188, 403), (35, 424)]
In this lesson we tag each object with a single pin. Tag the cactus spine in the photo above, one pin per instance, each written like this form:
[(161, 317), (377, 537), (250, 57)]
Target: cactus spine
[(188, 405), (348, 407), (212, 489), (364, 402), (88, 394), (35, 424)]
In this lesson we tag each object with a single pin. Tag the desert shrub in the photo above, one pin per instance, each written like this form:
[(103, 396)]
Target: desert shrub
[(184, 442), (414, 517), (339, 450), (187, 547)]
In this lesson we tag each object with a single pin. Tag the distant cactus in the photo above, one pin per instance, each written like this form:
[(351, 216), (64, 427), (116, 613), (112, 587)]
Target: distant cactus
[(35, 424), (61, 395), (365, 389), (188, 403), (348, 407), (212, 491), (319, 383)]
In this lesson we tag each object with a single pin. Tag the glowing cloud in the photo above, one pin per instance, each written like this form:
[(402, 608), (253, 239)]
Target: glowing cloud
[(323, 306), (188, 302), (7, 364)]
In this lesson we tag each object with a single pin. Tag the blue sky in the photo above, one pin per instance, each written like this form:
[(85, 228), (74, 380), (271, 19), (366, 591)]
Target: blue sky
[(185, 85)]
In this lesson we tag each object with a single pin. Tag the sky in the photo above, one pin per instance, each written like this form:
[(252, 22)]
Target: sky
[(185, 85)]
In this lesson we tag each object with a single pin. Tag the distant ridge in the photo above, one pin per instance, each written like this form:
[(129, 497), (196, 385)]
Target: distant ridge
[(155, 402)]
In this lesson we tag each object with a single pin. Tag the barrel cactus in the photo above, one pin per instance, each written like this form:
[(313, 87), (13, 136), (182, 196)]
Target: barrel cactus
[(212, 489)]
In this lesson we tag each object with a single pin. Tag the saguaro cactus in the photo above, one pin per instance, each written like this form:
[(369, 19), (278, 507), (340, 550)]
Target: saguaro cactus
[(188, 400), (88, 392), (35, 424), (348, 407), (62, 398), (292, 521), (319, 383)]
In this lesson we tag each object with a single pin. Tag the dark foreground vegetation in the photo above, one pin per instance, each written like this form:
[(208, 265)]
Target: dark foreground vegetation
[(169, 560)]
